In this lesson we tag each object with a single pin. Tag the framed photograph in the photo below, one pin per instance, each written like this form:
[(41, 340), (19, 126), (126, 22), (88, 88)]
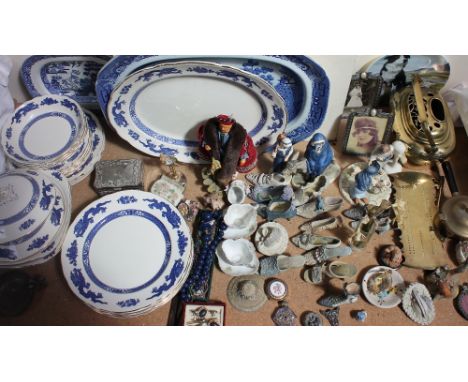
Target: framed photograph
[(364, 92), (203, 314), (365, 131)]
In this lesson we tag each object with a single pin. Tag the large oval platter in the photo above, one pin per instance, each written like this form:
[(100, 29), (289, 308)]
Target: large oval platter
[(72, 76), (127, 251), (158, 109), (301, 82)]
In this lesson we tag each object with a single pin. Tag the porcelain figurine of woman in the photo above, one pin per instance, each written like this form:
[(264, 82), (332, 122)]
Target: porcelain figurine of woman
[(227, 144), (318, 155), (282, 152)]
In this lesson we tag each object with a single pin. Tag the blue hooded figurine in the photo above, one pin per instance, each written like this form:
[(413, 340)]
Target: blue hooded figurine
[(319, 155), (363, 181)]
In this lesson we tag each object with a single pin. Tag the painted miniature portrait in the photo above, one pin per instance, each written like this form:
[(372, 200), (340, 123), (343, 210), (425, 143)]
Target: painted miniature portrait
[(364, 133)]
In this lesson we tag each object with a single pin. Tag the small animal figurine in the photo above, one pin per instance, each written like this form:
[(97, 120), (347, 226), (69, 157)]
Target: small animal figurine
[(282, 152), (226, 143)]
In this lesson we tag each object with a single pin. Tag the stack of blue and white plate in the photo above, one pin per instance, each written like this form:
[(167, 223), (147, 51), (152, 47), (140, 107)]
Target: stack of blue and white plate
[(127, 253), (54, 133), (35, 211)]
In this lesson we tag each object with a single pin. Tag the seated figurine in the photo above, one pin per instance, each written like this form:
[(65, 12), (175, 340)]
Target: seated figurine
[(282, 152), (318, 155), (390, 156), (229, 147), (363, 182)]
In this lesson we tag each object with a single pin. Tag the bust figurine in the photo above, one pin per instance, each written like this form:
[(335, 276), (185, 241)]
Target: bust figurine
[(318, 155), (282, 152), (227, 144)]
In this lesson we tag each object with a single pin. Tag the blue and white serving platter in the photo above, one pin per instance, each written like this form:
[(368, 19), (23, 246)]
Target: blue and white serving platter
[(158, 109), (72, 76), (127, 252), (28, 140), (302, 83), (41, 244)]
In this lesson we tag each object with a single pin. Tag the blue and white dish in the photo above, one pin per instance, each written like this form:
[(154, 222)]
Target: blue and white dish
[(158, 109), (97, 145), (26, 199), (41, 244), (28, 139), (127, 252), (301, 82), (71, 76)]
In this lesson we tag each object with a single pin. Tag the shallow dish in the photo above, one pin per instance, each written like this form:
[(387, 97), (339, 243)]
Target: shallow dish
[(159, 109), (301, 82), (72, 76), (388, 298)]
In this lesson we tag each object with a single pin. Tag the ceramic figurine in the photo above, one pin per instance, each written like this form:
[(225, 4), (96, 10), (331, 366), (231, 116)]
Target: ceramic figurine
[(282, 152), (348, 296), (319, 206), (276, 209), (442, 282), (214, 201), (171, 163), (363, 182), (390, 157), (267, 180), (391, 256), (230, 148), (261, 194), (237, 257), (189, 209), (332, 315), (318, 155)]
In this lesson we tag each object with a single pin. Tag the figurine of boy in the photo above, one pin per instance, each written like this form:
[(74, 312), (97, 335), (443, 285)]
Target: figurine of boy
[(282, 152), (318, 155), (363, 182), (229, 147)]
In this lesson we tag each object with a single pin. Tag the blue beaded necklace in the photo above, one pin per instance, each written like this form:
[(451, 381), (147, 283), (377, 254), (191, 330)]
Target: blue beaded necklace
[(210, 232)]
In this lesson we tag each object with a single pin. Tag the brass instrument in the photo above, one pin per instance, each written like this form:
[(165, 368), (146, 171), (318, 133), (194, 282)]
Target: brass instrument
[(423, 122)]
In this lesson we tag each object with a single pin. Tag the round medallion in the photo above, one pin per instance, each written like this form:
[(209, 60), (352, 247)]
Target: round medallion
[(276, 289)]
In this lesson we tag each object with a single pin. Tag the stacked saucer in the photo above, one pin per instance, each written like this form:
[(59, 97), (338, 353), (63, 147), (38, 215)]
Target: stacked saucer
[(127, 253), (54, 133), (35, 211)]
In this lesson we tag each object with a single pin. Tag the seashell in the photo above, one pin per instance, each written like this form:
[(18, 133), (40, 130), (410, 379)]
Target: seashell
[(271, 239), (237, 192), (418, 305), (237, 257), (241, 221)]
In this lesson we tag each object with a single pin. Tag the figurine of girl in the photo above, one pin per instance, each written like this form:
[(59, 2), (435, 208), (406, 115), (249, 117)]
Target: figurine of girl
[(363, 182), (282, 152), (318, 155)]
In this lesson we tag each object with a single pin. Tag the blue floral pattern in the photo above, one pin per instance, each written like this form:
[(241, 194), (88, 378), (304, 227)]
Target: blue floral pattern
[(38, 242), (25, 225), (167, 211), (128, 303), (170, 279), (44, 203), (72, 253), (6, 253), (80, 283), (127, 199), (182, 242)]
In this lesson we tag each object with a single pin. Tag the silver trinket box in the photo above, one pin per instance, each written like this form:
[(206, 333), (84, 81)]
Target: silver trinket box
[(117, 175)]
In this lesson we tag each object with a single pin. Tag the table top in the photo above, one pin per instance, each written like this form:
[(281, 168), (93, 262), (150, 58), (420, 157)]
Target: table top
[(57, 305)]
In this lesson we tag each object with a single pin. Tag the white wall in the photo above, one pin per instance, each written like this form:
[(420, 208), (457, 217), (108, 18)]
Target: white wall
[(338, 68)]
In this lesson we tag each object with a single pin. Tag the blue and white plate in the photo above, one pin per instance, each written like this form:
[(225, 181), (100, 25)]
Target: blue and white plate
[(300, 81), (29, 137), (72, 76), (128, 251), (41, 244), (26, 199), (158, 109)]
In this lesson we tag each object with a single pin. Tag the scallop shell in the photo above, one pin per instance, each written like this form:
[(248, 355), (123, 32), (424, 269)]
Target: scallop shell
[(241, 221), (237, 257), (418, 305)]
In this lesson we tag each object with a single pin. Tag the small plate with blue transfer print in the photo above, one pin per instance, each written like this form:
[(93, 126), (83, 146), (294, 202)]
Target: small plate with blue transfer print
[(127, 253), (40, 244), (302, 83), (72, 76), (159, 109), (28, 139)]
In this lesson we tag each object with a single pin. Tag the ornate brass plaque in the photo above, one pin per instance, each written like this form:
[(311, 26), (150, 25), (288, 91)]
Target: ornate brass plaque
[(415, 211)]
